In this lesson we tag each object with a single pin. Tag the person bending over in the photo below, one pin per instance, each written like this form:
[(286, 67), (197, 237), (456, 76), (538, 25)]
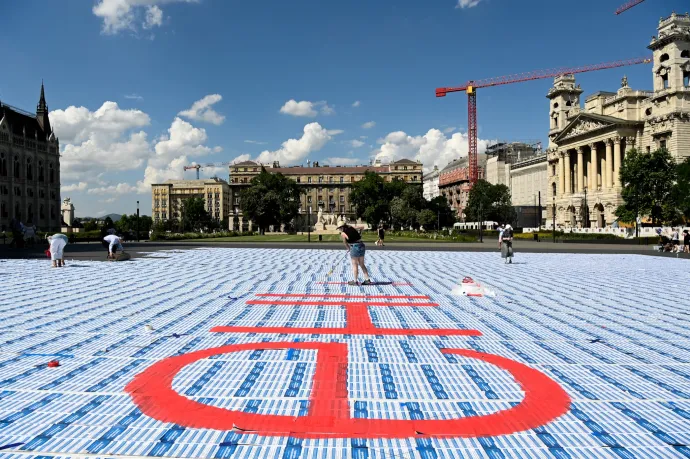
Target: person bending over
[(353, 241), (114, 244)]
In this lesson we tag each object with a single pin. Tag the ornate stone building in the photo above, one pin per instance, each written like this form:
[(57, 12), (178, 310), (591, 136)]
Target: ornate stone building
[(167, 198), (29, 167), (430, 184), (327, 188), (587, 145)]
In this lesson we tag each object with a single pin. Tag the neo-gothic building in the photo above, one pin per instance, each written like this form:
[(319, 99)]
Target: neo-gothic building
[(29, 167), (587, 145)]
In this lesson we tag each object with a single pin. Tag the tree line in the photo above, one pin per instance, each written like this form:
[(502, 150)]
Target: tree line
[(654, 185)]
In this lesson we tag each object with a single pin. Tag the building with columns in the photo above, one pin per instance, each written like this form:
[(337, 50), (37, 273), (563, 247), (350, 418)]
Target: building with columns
[(29, 167), (587, 145)]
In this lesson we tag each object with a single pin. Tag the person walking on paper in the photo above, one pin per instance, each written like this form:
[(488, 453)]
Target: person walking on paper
[(114, 244), (507, 244), (382, 235), (57, 249), (353, 241)]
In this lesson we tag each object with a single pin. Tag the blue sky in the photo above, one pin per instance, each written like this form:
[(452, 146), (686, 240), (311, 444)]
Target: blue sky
[(138, 88)]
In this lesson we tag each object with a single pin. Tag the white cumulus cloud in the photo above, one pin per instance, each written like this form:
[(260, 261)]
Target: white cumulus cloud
[(467, 3), (154, 17), (120, 15), (81, 186), (432, 148), (356, 103), (119, 189), (306, 108), (202, 110), (106, 140), (335, 131), (293, 151), (369, 125), (173, 151), (356, 143), (255, 142)]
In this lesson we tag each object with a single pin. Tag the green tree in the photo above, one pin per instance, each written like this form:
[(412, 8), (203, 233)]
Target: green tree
[(369, 196), (445, 217), (681, 190), (90, 225), (648, 183), (193, 214), (272, 199), (493, 201), (108, 223), (428, 219), (402, 213)]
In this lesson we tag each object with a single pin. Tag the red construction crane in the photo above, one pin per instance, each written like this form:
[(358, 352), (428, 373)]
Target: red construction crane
[(471, 89), (202, 166), (628, 5)]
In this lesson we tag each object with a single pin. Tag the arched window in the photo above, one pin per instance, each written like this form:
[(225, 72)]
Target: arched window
[(553, 189), (17, 213), (40, 171), (569, 104), (664, 57), (685, 53), (17, 168), (30, 214), (686, 78), (29, 169), (41, 212), (51, 173), (3, 209), (3, 165)]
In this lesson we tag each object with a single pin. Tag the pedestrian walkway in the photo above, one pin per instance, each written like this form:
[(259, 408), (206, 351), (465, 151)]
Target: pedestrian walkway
[(257, 353)]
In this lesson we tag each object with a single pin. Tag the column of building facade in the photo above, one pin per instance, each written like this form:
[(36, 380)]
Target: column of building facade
[(609, 164), (561, 173), (568, 173), (580, 169), (593, 180), (616, 160)]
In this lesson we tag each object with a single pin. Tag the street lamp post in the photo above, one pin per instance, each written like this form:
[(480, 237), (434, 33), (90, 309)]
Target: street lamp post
[(137, 221), (553, 216), (481, 234), (586, 216), (308, 223)]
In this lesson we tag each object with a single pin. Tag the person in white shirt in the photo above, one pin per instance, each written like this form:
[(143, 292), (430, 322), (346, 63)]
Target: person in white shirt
[(57, 249), (500, 236), (114, 244)]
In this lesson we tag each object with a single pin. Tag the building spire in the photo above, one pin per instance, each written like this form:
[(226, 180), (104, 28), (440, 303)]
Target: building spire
[(42, 106)]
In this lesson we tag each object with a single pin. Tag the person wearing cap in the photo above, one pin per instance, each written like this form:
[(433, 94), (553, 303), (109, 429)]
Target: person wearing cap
[(507, 244), (353, 241), (114, 244)]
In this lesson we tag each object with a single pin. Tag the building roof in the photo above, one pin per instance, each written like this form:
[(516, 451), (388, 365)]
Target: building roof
[(246, 163), (300, 170), (608, 121), (600, 94), (405, 161), (21, 122)]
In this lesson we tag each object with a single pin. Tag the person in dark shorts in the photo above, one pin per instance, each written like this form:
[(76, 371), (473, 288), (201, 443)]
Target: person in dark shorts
[(382, 235), (354, 244)]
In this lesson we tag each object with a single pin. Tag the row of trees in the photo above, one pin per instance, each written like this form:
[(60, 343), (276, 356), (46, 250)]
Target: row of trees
[(126, 224), (398, 204), (489, 202), (655, 185)]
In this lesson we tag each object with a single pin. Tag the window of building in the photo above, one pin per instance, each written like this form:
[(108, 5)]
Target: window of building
[(256, 169), (245, 169), (320, 189), (29, 169), (352, 179), (649, 149), (342, 199), (664, 57), (17, 168), (686, 78), (685, 53), (165, 215), (553, 170), (404, 168), (41, 194), (664, 81), (555, 105), (331, 190), (235, 169), (342, 189), (51, 173), (342, 209), (299, 179), (309, 199), (3, 165), (342, 179), (3, 209), (320, 179), (309, 209), (41, 211), (648, 112), (30, 192), (553, 189), (396, 168), (17, 191), (662, 144), (330, 179), (308, 179)]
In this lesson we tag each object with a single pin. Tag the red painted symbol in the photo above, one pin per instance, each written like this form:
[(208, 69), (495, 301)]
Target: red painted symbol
[(329, 410)]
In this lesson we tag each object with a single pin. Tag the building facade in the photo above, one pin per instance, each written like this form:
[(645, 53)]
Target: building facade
[(326, 188), (167, 198), (454, 182), (587, 145), (430, 184), (29, 167)]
